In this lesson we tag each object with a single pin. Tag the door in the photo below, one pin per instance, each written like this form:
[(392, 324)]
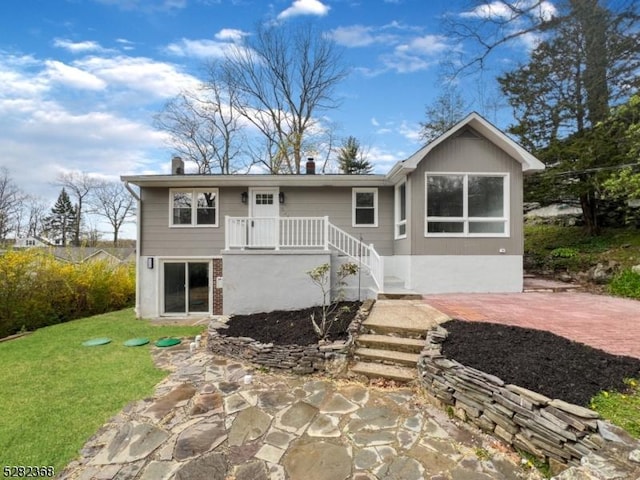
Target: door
[(265, 210), (186, 287)]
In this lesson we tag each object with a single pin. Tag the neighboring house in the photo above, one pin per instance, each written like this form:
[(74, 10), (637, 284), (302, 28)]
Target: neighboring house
[(30, 242), (113, 256), (447, 219)]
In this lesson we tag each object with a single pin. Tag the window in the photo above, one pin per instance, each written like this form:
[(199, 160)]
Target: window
[(194, 207), (401, 210), (264, 198), (365, 207), (470, 204), (31, 243)]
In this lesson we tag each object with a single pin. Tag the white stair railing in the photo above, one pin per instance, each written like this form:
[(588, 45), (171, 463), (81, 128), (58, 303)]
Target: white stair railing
[(301, 232), (357, 250)]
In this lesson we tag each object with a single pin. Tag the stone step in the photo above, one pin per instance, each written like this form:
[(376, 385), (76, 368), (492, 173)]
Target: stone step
[(388, 356), (394, 294), (386, 342), (408, 318), (391, 372)]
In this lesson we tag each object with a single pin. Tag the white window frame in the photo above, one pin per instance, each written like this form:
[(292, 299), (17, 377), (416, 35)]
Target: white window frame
[(194, 207), (354, 193), (465, 219), (397, 220)]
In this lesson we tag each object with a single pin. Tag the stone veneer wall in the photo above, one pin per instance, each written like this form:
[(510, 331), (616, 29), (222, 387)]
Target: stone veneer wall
[(544, 427), (294, 358)]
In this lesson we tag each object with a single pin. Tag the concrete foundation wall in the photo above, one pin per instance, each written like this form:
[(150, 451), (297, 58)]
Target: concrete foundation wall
[(465, 273), (147, 303), (258, 282), (353, 290)]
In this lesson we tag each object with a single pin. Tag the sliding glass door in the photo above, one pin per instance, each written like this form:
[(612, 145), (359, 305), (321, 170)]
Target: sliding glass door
[(186, 287)]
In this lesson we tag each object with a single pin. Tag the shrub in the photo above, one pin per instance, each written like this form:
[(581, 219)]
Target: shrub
[(626, 284), (37, 290)]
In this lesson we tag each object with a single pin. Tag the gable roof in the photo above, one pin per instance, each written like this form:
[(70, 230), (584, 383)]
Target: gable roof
[(483, 127)]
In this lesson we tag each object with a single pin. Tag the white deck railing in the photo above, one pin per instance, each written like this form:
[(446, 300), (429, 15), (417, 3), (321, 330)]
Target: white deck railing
[(300, 233)]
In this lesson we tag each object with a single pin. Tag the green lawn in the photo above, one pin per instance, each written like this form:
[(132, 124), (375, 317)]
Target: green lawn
[(56, 393)]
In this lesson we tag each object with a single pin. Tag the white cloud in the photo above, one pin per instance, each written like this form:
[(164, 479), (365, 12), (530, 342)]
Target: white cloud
[(382, 159), (159, 79), (230, 34), (418, 53), (72, 77), (410, 131), (304, 7), (77, 47), (503, 10), (198, 48), (375, 122), (495, 9), (125, 44), (353, 36)]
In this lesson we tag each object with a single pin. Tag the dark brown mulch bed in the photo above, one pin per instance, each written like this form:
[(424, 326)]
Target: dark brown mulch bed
[(538, 360), (291, 327)]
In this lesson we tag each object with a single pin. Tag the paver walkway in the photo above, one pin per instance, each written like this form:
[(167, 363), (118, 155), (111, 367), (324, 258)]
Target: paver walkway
[(608, 323), (205, 422)]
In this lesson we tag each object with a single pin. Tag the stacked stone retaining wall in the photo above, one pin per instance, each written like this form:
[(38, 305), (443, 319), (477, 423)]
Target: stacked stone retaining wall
[(324, 356), (547, 428)]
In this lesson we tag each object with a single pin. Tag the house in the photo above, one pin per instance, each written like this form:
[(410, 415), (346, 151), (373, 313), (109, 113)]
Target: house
[(113, 256), (447, 219), (31, 242)]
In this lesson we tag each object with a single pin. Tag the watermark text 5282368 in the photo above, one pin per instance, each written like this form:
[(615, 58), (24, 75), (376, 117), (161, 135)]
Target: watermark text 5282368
[(27, 471)]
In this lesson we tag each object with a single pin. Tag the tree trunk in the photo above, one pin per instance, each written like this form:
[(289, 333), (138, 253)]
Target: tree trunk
[(588, 202)]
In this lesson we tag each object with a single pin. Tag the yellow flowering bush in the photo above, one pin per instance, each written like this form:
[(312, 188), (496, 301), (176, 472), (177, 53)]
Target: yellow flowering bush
[(36, 289)]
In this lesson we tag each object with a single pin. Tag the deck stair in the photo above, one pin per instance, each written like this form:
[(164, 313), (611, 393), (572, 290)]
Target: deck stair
[(394, 335)]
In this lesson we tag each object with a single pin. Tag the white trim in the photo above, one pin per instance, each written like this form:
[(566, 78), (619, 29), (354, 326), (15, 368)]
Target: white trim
[(194, 207), (484, 128), (396, 210), (355, 191), (465, 219)]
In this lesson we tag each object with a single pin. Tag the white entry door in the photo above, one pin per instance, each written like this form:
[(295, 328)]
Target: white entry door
[(265, 210)]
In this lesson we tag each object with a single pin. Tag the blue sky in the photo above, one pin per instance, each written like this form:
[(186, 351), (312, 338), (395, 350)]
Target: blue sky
[(81, 79)]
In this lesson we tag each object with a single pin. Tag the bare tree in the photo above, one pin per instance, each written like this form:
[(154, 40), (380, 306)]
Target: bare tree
[(445, 111), (11, 198), (112, 201), (31, 220), (80, 184), (284, 76), (204, 127)]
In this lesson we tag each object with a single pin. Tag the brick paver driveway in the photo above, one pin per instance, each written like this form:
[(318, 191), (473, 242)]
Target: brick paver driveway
[(608, 323)]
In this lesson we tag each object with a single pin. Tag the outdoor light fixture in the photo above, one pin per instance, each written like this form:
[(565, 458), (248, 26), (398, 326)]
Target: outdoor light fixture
[(281, 197), (150, 262), (244, 196)]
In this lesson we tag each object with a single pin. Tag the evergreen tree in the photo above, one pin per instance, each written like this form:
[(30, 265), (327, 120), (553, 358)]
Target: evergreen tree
[(61, 224), (351, 158)]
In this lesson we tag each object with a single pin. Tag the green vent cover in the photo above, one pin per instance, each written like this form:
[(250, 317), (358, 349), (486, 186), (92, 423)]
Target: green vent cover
[(167, 342), (94, 342), (136, 342)]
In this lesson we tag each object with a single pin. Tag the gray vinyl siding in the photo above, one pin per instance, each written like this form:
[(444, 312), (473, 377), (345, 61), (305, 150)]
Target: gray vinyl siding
[(336, 203), (160, 239), (466, 154)]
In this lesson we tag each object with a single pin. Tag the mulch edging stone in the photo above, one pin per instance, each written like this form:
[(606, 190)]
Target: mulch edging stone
[(323, 356), (550, 429)]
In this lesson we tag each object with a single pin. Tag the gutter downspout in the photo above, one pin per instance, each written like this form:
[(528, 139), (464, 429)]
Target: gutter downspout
[(135, 195)]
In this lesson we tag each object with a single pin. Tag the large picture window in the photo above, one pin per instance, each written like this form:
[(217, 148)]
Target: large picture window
[(194, 207), (365, 207), (470, 204)]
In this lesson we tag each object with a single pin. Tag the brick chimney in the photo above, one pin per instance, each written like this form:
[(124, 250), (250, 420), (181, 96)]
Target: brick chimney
[(311, 166), (177, 166)]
